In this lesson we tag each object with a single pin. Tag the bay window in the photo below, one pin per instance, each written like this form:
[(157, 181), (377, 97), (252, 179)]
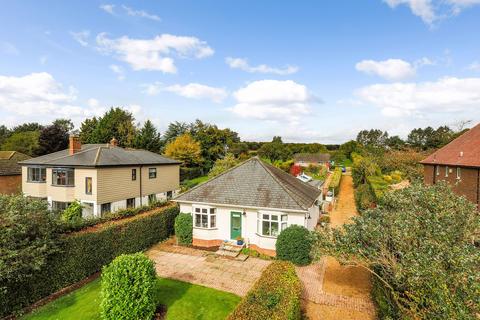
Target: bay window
[(205, 217), (269, 224), (36, 174), (63, 177)]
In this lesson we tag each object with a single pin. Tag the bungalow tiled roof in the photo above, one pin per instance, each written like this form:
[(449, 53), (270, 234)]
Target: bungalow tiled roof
[(254, 183), (100, 155), (9, 162), (311, 157), (463, 151)]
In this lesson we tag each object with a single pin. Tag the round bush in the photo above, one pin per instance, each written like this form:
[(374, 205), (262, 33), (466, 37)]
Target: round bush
[(128, 284), (295, 244), (184, 228)]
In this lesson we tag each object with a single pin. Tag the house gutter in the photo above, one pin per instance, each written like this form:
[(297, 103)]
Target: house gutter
[(240, 206)]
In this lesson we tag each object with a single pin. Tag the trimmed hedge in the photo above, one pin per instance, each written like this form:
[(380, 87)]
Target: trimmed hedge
[(275, 296), (295, 244), (82, 254), (335, 182), (128, 288), (184, 228)]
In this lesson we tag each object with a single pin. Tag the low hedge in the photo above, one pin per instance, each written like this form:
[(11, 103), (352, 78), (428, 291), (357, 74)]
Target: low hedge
[(82, 254), (275, 296), (184, 229), (335, 182)]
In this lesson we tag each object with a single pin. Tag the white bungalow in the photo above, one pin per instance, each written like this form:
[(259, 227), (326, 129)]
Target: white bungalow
[(254, 201)]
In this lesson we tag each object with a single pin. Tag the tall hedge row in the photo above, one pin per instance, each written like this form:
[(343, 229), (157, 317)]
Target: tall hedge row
[(84, 253), (335, 182), (275, 296)]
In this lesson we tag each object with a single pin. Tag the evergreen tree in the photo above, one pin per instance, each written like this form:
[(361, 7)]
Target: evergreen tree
[(148, 138)]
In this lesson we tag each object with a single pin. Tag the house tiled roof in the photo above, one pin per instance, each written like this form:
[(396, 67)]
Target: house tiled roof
[(254, 183), (311, 157), (100, 155), (9, 162), (463, 151)]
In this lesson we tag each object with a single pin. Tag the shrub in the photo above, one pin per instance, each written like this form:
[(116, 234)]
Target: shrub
[(275, 296), (324, 218), (83, 253), (335, 182), (73, 212), (364, 198), (128, 284), (184, 228), (295, 244)]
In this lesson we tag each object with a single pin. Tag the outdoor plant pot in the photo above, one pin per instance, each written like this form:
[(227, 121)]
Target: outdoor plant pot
[(240, 242)]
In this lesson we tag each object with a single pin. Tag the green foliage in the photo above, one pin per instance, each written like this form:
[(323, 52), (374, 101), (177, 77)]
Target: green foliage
[(83, 253), (275, 296), (373, 138), (25, 142), (362, 168), (148, 138), (275, 150), (128, 287), (364, 197), (335, 182), (295, 244), (188, 184), (73, 212), (54, 137), (418, 241), (184, 228), (254, 253), (430, 138), (222, 165), (27, 237), (324, 218)]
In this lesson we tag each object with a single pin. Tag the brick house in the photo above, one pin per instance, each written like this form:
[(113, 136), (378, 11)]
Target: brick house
[(11, 171), (457, 163)]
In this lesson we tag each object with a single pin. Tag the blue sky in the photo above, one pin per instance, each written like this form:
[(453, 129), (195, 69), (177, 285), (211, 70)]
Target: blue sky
[(305, 70)]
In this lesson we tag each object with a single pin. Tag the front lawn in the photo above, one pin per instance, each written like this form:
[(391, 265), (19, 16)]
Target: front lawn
[(183, 301), (188, 184)]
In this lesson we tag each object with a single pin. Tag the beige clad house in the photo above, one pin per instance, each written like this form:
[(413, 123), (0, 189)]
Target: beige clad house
[(103, 177)]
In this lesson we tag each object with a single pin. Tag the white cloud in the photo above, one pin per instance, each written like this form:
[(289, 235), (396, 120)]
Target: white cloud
[(446, 95), (39, 96), (242, 64), (8, 48), (152, 88), (118, 70), (108, 8), (391, 69), (154, 54), (140, 13), (431, 11), (81, 37), (94, 103), (198, 91), (273, 100)]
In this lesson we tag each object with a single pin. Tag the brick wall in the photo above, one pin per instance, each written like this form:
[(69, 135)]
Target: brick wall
[(10, 184), (467, 185)]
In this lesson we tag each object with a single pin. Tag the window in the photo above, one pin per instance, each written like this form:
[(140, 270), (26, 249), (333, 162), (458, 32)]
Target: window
[(59, 205), (88, 185), (271, 224), (63, 177), (437, 170), (152, 198), (205, 217), (106, 207), (152, 173), (446, 171), (36, 174), (459, 173), (131, 203), (134, 174)]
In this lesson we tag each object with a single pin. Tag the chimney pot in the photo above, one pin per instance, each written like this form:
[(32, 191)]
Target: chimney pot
[(114, 142), (74, 145)]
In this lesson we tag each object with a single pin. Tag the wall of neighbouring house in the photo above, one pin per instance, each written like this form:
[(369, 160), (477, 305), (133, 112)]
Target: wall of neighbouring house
[(467, 185), (214, 237), (10, 184), (168, 178)]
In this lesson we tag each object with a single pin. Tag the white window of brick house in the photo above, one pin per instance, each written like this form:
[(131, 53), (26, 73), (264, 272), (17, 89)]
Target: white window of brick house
[(446, 171), (437, 170), (459, 173)]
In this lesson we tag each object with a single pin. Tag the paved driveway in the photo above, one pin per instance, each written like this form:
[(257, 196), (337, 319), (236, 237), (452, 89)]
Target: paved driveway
[(208, 270)]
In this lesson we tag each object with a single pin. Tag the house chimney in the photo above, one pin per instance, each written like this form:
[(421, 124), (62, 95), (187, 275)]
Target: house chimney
[(74, 145), (114, 142)]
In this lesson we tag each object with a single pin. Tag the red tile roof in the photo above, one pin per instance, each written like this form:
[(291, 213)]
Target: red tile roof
[(463, 151)]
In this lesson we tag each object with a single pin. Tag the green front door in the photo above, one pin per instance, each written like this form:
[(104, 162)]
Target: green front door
[(235, 225)]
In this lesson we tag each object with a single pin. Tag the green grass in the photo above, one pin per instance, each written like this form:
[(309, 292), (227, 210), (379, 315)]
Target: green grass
[(188, 184), (183, 301)]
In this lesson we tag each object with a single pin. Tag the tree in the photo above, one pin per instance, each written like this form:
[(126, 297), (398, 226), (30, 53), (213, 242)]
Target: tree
[(65, 124), (395, 143), (373, 138), (222, 165), (418, 243), (274, 150), (86, 130), (25, 142), (4, 134), (115, 123), (27, 237), (174, 130), (148, 138), (350, 147), (53, 138), (25, 127), (185, 149)]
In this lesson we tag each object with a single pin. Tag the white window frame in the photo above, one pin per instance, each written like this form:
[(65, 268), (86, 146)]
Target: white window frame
[(281, 220), (211, 216), (446, 171), (437, 170), (459, 173), (37, 174)]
